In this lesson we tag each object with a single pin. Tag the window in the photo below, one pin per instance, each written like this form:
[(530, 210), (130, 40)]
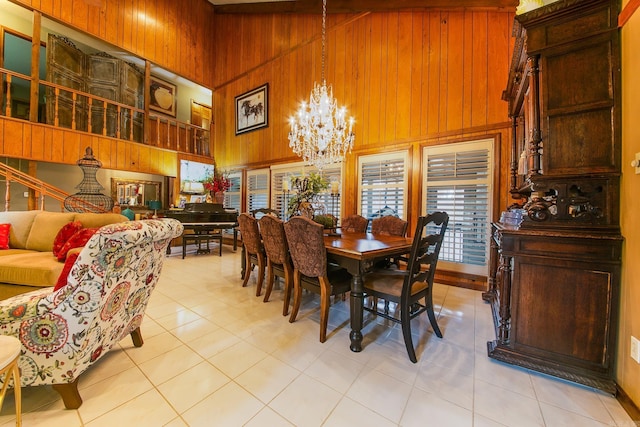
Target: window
[(383, 185), (280, 173), (257, 189), (233, 196), (457, 180)]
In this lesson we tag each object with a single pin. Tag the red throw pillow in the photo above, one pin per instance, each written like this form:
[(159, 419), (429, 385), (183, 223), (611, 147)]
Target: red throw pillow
[(4, 236), (62, 280), (78, 240), (65, 234)]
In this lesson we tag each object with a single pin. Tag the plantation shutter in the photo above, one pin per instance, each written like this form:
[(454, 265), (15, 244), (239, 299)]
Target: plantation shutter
[(383, 185), (457, 180), (257, 189)]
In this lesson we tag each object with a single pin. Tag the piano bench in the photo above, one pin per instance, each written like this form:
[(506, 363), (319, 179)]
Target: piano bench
[(199, 239)]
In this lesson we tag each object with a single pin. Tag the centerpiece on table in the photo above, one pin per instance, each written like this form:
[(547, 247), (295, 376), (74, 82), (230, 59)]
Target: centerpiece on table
[(305, 199), (216, 184)]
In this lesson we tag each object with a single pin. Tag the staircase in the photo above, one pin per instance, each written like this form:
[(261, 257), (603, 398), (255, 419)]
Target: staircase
[(42, 189)]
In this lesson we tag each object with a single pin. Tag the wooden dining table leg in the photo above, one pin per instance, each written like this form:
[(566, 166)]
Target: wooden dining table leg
[(356, 307)]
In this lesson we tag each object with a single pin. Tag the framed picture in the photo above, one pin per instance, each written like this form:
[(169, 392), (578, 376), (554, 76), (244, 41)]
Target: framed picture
[(162, 96), (20, 109), (252, 109)]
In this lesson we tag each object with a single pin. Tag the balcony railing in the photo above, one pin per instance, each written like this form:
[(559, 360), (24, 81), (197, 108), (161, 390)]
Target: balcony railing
[(84, 112)]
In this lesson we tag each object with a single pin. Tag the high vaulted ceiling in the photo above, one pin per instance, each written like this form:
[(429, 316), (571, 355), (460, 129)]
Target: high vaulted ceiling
[(353, 6)]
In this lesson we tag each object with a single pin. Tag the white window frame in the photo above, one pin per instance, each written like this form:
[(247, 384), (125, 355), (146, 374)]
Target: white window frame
[(402, 188), (454, 227)]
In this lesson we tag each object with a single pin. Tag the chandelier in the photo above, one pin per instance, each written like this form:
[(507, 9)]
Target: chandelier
[(320, 132)]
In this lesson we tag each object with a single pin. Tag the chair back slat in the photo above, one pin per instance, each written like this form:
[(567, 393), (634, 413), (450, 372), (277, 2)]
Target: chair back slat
[(425, 250)]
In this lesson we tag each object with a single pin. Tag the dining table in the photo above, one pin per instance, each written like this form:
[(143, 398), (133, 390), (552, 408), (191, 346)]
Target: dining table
[(357, 252)]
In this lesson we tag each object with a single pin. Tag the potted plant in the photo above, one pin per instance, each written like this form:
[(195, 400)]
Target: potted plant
[(307, 189), (216, 184)]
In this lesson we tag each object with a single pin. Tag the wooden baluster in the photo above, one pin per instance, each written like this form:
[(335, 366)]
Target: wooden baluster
[(74, 97), (104, 118), (7, 193), (131, 123), (8, 113), (118, 122), (157, 141), (89, 128), (56, 106)]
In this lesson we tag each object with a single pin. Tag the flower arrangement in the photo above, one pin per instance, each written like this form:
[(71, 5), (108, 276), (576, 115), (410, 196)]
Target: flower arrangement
[(307, 190), (216, 182)]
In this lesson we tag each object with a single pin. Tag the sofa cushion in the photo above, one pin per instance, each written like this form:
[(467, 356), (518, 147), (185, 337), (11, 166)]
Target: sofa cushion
[(66, 269), (21, 222), (79, 239), (5, 229), (30, 268), (64, 235), (45, 228), (97, 220)]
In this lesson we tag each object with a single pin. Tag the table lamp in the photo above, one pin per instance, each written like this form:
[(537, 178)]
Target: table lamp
[(155, 205)]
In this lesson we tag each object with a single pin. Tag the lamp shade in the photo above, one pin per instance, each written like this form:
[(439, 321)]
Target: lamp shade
[(129, 214), (154, 204)]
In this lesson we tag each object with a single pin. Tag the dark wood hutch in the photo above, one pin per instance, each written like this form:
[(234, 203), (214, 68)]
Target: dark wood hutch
[(556, 253)]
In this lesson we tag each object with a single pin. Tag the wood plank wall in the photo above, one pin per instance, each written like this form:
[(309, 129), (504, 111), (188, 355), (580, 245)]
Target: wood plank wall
[(409, 78)]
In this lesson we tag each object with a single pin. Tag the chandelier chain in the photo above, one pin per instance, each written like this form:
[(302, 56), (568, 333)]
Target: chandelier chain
[(324, 36), (320, 132)]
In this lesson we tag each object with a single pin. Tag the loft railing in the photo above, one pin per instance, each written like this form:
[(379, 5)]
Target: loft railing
[(42, 190), (81, 111)]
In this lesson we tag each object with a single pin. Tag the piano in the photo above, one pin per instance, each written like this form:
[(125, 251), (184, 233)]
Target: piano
[(206, 218)]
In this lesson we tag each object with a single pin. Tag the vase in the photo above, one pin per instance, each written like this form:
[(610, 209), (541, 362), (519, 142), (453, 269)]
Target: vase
[(218, 198)]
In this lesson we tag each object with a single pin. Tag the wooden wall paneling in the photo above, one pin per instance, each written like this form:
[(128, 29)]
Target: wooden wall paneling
[(13, 131), (443, 61), (424, 49), (433, 95), (455, 67), (27, 138), (64, 12), (37, 142), (499, 68), (404, 69), (414, 68), (69, 148), (467, 72), (390, 82), (80, 16), (480, 63), (172, 34), (111, 14), (374, 100), (95, 19), (149, 32)]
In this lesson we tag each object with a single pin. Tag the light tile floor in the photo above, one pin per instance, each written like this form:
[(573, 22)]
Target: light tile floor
[(215, 355)]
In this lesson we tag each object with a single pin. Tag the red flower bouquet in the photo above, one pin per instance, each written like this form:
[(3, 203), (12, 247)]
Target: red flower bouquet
[(216, 183)]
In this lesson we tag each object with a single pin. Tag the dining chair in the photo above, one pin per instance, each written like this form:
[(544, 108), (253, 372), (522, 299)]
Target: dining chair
[(279, 262), (259, 213), (407, 287), (254, 254), (389, 225), (311, 270), (354, 224)]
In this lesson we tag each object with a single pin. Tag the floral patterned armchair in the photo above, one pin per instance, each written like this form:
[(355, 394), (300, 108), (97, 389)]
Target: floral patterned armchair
[(64, 332)]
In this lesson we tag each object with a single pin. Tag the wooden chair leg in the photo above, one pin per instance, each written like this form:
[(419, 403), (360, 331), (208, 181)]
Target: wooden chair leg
[(136, 337), (325, 300), (405, 317), (261, 263), (288, 285), (297, 296), (428, 301), (247, 269), (270, 280), (69, 394)]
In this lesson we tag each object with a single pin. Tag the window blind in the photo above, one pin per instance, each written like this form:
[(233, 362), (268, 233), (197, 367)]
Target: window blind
[(457, 180), (383, 185)]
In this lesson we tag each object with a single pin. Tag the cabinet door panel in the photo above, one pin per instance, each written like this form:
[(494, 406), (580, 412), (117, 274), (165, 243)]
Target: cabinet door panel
[(562, 309)]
